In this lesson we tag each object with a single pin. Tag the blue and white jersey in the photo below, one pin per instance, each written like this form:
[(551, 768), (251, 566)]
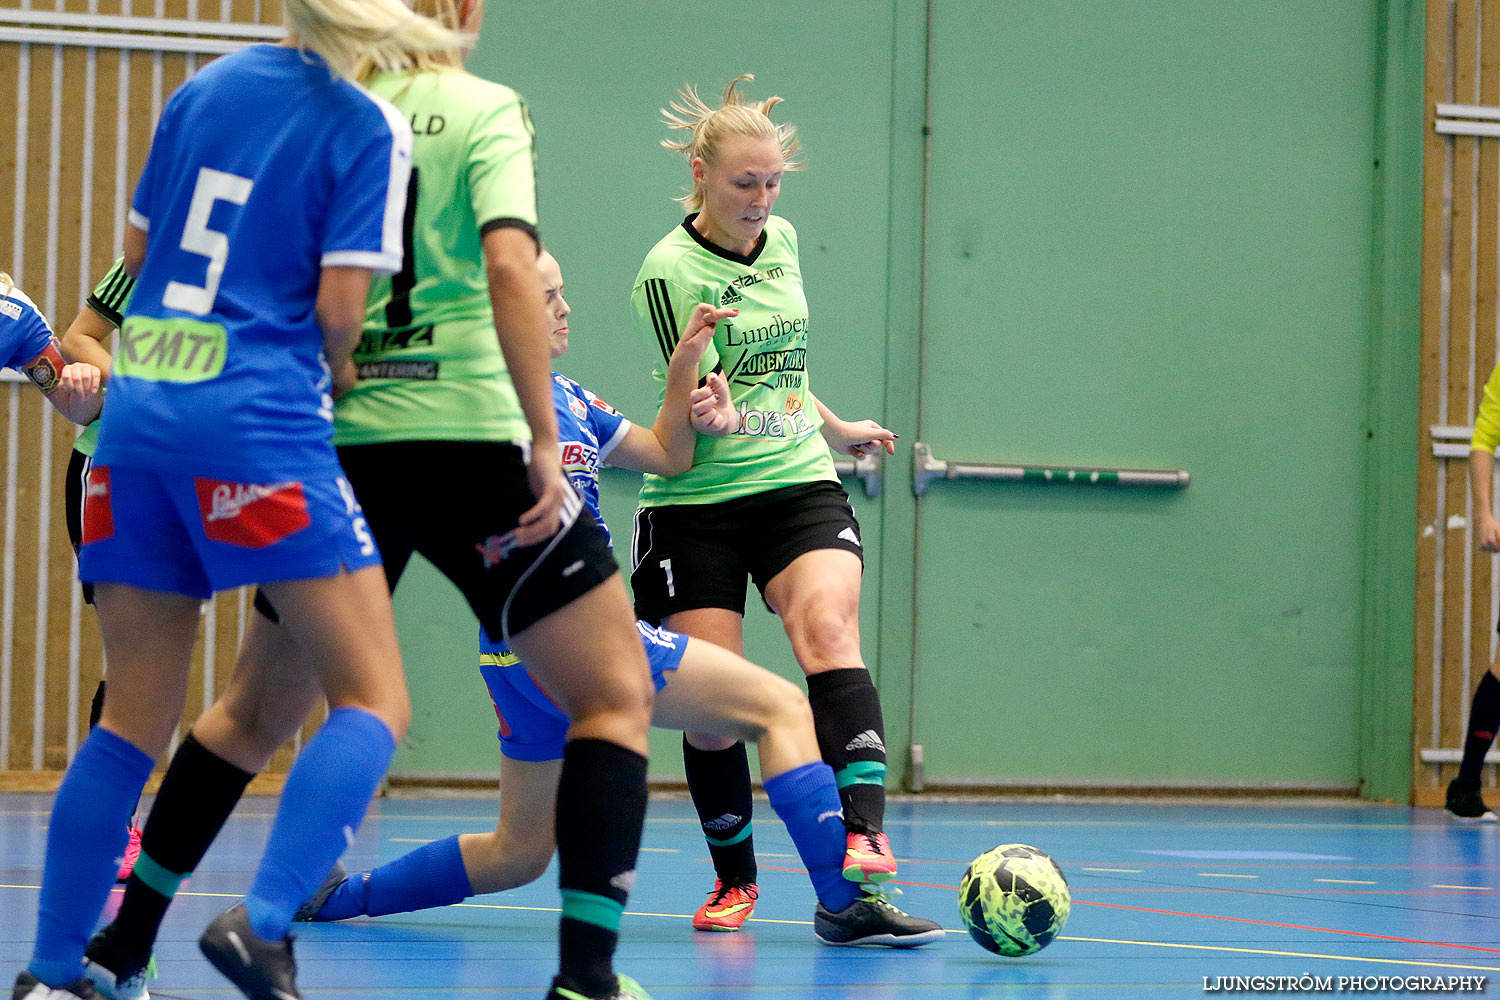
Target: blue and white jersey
[(264, 170), (24, 334), (588, 429)]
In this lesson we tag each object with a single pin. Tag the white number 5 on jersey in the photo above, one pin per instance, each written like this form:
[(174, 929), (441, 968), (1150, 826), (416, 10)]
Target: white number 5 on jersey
[(212, 186)]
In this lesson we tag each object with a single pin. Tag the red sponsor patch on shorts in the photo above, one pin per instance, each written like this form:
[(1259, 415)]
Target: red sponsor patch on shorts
[(98, 507), (251, 515)]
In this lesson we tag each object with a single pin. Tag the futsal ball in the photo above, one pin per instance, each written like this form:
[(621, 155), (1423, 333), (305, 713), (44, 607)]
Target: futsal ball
[(1014, 900)]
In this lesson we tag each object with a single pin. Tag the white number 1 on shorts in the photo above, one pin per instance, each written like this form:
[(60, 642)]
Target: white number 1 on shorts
[(666, 565)]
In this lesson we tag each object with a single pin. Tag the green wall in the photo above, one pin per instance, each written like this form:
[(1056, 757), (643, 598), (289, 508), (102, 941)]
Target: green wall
[(1155, 234)]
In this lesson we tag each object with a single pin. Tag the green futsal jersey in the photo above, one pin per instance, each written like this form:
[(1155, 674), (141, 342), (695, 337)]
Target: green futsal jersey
[(110, 299), (762, 353), (429, 362)]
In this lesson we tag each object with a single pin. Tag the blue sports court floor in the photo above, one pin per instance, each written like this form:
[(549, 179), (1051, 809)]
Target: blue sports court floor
[(1164, 896)]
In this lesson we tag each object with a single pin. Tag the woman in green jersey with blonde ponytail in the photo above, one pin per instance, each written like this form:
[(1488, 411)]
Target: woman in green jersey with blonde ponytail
[(763, 502)]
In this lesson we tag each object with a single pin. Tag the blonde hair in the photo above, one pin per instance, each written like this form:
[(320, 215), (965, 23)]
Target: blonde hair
[(6, 284), (368, 34), (709, 127)]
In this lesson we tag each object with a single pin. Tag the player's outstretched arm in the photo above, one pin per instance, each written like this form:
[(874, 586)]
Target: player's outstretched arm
[(1481, 475), (667, 448), (856, 438), (72, 389)]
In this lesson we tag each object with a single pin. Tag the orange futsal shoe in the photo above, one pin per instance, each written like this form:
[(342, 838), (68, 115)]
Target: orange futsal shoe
[(728, 907), (868, 858)]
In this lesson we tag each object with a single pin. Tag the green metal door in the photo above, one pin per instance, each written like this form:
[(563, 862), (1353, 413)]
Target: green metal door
[(1148, 245)]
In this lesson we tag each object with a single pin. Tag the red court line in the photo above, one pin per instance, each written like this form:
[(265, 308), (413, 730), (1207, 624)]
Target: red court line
[(1229, 862), (1284, 891), (1241, 920)]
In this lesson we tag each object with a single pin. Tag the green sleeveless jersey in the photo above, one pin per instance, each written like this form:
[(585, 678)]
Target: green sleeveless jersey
[(429, 361), (110, 299), (762, 353)]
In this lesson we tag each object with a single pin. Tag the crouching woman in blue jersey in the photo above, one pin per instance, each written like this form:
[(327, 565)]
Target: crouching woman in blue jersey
[(273, 189), (699, 686)]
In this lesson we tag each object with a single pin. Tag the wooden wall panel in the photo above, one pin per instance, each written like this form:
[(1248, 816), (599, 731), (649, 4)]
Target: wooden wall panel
[(1456, 583), (89, 116)]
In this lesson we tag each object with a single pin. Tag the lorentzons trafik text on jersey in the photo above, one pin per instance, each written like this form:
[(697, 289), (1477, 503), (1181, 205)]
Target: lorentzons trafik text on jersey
[(265, 168), (762, 353), (429, 363)]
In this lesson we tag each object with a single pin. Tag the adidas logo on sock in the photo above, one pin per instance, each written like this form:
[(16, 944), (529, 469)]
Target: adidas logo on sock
[(867, 740), (850, 535), (728, 821), (730, 297)]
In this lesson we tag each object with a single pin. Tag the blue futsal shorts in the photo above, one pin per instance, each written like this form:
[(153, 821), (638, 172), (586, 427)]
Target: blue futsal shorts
[(532, 727), (195, 535)]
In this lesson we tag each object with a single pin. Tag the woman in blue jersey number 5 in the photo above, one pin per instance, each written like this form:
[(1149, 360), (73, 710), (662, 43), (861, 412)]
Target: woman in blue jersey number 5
[(273, 189)]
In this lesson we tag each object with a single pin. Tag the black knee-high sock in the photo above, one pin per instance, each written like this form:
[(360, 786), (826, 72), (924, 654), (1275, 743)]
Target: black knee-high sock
[(851, 737), (719, 781), (1484, 718), (197, 794), (601, 805), (96, 707)]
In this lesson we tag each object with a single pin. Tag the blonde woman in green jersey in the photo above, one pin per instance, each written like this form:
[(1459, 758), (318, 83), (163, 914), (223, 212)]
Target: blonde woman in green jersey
[(446, 431), (763, 502)]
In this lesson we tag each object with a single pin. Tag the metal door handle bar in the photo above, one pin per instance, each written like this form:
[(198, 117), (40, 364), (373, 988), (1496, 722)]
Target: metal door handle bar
[(926, 468), (866, 469)]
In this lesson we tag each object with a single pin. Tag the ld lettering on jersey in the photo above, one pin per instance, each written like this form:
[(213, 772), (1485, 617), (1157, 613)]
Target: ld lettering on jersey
[(428, 124), (251, 515)]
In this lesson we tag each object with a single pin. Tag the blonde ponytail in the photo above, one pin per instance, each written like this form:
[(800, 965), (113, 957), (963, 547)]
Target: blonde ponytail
[(379, 34), (708, 127), (6, 284)]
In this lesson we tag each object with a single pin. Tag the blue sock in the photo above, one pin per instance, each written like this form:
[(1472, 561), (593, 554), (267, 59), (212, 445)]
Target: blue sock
[(807, 800), (85, 838), (432, 875), (322, 804)]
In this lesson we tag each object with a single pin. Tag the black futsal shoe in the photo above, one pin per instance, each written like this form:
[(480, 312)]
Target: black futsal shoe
[(263, 970), (872, 920), (1465, 802)]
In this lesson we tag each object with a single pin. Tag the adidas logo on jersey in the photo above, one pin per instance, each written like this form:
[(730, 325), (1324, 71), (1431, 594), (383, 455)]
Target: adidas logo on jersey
[(867, 740), (730, 297), (725, 822), (850, 535)]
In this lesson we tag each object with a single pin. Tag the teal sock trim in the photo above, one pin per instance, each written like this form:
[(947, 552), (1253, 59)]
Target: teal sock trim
[(591, 909), (158, 878), (743, 835), (862, 772)]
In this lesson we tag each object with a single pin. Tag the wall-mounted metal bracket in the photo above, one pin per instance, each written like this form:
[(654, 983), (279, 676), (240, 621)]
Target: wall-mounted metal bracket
[(867, 469)]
